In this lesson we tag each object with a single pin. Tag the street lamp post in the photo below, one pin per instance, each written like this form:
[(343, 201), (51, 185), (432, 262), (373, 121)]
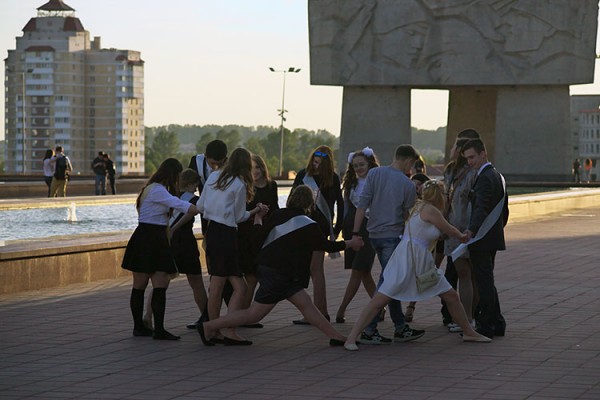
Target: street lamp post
[(23, 114), (282, 113)]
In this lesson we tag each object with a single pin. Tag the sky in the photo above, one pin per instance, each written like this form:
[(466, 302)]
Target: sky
[(207, 62)]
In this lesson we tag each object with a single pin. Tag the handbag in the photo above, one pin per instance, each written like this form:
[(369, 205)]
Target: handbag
[(430, 277)]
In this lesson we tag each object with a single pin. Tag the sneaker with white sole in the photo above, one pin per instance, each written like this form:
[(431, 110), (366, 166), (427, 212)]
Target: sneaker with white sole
[(455, 328), (375, 338), (407, 334)]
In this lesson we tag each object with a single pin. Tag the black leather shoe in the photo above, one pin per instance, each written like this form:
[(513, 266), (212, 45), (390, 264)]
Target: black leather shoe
[(200, 328), (233, 342), (164, 335), (253, 326), (142, 331)]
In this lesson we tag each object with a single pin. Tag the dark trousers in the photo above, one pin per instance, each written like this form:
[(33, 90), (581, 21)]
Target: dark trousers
[(48, 180), (111, 181), (488, 314)]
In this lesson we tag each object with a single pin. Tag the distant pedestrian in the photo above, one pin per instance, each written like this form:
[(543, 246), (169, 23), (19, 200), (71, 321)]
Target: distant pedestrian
[(576, 171), (587, 170), (111, 171), (48, 168), (62, 169), (99, 167)]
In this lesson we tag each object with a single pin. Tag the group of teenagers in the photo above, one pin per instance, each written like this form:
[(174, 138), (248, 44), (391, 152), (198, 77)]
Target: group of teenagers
[(258, 254)]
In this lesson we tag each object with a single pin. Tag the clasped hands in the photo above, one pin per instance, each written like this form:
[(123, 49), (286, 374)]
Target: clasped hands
[(355, 243), (466, 236)]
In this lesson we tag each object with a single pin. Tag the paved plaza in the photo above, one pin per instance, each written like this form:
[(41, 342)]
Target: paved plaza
[(75, 342)]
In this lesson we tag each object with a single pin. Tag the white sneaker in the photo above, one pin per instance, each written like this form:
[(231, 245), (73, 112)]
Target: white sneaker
[(455, 328)]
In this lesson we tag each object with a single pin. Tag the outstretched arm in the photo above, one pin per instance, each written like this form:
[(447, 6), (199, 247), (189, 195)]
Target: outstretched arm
[(434, 216)]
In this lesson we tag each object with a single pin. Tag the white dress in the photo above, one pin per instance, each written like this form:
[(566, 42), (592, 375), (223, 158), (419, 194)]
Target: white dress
[(399, 274)]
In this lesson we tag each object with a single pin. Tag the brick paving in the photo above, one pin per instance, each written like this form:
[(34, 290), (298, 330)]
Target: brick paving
[(75, 342)]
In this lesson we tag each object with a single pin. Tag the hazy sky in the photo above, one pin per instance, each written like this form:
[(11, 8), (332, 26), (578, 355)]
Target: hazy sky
[(207, 61)]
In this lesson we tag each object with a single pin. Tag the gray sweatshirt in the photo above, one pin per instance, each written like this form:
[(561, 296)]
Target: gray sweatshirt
[(388, 194)]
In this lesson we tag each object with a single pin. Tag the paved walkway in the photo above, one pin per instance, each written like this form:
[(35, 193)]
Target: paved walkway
[(76, 342)]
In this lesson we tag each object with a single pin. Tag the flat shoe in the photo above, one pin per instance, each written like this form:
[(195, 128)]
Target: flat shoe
[(300, 322), (252, 326), (200, 328), (233, 342), (351, 346), (143, 332), (476, 339), (336, 342), (340, 320), (165, 336)]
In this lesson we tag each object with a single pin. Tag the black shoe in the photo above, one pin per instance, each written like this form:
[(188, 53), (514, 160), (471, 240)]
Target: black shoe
[(252, 326), (300, 322), (142, 331), (499, 331), (340, 320), (485, 332), (233, 342), (164, 335), (200, 328)]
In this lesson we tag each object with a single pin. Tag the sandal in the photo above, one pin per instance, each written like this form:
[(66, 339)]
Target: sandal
[(408, 315)]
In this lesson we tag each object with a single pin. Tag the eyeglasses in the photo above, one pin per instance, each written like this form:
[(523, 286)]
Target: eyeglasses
[(320, 154)]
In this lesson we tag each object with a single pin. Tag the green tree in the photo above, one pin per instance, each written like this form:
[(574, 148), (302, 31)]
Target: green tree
[(203, 141), (232, 138), (164, 145)]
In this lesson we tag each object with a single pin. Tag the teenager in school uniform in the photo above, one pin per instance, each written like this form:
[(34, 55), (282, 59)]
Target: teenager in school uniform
[(223, 205), (288, 240), (148, 254)]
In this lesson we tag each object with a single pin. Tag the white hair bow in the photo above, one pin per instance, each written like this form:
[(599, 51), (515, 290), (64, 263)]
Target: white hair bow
[(367, 151)]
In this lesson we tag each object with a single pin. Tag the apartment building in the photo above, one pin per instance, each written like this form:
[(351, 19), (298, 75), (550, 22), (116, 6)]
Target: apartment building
[(63, 88)]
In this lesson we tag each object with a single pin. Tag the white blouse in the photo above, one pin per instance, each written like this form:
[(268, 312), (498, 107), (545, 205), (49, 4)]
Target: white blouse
[(48, 167), (155, 207), (227, 207)]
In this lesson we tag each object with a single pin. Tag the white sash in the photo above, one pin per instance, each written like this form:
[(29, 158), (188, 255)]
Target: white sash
[(487, 224), (200, 166), (186, 196), (322, 205), (289, 226)]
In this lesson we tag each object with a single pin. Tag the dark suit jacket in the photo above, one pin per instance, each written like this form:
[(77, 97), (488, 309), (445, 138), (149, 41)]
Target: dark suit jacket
[(486, 193)]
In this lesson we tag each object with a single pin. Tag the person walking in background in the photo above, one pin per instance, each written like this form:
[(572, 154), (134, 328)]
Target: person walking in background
[(223, 204), (320, 176), (288, 240), (111, 171), (489, 204), (359, 262), (62, 169), (48, 166), (99, 167), (411, 258), (148, 254), (576, 171), (389, 195), (265, 192)]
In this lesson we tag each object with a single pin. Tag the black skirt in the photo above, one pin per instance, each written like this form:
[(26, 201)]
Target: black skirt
[(222, 251), (185, 251), (274, 286), (148, 251)]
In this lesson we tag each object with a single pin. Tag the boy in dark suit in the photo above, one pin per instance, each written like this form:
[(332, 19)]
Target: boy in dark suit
[(489, 215)]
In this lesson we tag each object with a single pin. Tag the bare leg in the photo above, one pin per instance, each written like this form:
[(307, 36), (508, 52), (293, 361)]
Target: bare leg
[(368, 283), (302, 302), (235, 303), (465, 285), (458, 312), (215, 293), (317, 274), (251, 315), (250, 288), (367, 314), (197, 285), (351, 289)]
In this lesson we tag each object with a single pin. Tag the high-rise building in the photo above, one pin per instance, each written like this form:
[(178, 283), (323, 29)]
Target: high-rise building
[(62, 88)]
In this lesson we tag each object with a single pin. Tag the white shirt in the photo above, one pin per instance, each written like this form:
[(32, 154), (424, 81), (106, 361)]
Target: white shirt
[(227, 207), (48, 167), (155, 207)]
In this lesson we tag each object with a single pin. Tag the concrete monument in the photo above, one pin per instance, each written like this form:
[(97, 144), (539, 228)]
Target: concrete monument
[(508, 65)]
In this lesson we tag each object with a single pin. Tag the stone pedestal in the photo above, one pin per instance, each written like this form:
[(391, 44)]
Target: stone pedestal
[(378, 117), (533, 128)]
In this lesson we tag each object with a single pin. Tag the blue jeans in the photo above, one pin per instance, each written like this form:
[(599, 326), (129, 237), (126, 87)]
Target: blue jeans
[(384, 248), (100, 184)]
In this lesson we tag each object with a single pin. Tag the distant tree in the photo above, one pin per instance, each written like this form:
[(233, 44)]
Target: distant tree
[(203, 141), (164, 145), (232, 138)]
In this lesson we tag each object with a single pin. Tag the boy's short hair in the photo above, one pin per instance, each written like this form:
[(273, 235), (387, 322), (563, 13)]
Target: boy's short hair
[(475, 144), (188, 177), (405, 151), (216, 149), (468, 134)]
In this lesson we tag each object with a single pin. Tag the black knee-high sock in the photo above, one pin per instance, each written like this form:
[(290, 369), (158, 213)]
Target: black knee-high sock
[(159, 303), (136, 303)]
